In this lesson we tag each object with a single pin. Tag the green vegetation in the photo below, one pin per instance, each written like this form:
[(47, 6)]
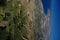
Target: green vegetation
[(15, 17)]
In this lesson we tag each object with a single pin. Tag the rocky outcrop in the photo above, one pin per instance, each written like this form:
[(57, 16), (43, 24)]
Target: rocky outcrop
[(41, 22)]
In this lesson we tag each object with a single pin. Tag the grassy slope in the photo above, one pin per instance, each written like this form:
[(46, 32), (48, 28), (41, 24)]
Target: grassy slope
[(14, 29)]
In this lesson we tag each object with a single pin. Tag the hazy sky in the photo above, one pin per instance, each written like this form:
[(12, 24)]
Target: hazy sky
[(54, 6), (55, 20), (46, 5)]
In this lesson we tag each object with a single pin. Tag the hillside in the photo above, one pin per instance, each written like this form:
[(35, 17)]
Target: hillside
[(24, 20)]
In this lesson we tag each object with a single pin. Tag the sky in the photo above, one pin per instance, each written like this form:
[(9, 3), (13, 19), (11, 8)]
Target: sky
[(54, 6), (55, 20), (46, 5)]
